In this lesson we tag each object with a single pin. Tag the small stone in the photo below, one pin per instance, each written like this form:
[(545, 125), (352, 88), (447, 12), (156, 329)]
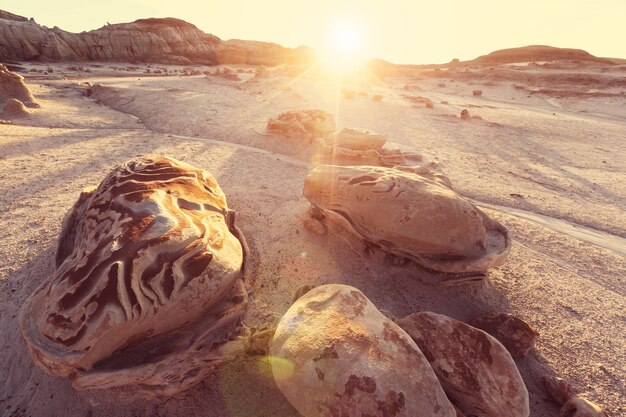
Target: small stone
[(314, 226)]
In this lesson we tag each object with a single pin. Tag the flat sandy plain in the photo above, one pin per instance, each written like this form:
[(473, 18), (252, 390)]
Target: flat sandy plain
[(547, 158)]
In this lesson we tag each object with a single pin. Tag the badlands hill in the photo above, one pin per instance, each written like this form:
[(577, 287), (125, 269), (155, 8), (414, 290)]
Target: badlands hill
[(532, 53), (162, 40), (537, 53)]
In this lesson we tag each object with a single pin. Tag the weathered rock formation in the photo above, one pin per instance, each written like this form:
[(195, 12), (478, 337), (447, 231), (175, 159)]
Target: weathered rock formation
[(163, 40), (304, 124), (148, 284), (474, 369), (12, 87), (334, 354), (409, 215)]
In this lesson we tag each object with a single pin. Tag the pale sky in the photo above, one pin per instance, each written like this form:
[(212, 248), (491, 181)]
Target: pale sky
[(400, 31)]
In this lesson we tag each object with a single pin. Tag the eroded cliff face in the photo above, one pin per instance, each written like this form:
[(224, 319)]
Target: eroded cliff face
[(167, 41)]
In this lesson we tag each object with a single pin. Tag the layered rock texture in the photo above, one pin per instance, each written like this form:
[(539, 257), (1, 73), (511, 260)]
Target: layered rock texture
[(148, 285), (163, 40)]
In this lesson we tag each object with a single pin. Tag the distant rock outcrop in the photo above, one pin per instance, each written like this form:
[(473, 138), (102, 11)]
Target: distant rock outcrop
[(162, 40), (12, 87), (536, 53)]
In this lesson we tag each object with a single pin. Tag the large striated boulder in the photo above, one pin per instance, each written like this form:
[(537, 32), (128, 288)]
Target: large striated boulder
[(474, 369), (334, 354), (148, 286), (12, 87), (409, 215)]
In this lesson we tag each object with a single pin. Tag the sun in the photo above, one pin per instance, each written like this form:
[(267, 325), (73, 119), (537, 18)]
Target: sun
[(343, 49)]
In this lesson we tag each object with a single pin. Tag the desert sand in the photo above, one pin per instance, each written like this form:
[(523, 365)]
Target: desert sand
[(545, 157)]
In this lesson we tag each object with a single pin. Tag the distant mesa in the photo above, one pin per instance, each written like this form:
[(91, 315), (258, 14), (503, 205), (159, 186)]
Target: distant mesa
[(537, 53), (533, 53), (156, 40)]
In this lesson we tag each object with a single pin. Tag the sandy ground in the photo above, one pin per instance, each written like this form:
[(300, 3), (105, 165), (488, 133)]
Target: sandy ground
[(550, 166)]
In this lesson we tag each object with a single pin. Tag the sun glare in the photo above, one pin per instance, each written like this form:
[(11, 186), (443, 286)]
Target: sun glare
[(343, 48)]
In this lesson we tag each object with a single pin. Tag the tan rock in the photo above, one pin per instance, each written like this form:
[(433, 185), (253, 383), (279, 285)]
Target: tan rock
[(148, 283), (474, 369), (517, 336), (409, 215), (307, 124), (14, 108), (12, 87), (335, 354), (357, 139), (377, 97)]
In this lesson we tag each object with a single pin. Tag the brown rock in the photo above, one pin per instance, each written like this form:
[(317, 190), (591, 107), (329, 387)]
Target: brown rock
[(409, 215), (558, 389), (148, 283), (465, 115), (581, 407), (477, 92), (335, 354), (517, 336), (474, 369)]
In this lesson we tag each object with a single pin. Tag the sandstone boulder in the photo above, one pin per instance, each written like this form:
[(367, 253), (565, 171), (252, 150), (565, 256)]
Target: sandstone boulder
[(474, 369), (517, 336), (413, 216), (148, 286), (334, 354)]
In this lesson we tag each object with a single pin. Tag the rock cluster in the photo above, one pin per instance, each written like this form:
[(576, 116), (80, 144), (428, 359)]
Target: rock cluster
[(148, 286), (335, 354)]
